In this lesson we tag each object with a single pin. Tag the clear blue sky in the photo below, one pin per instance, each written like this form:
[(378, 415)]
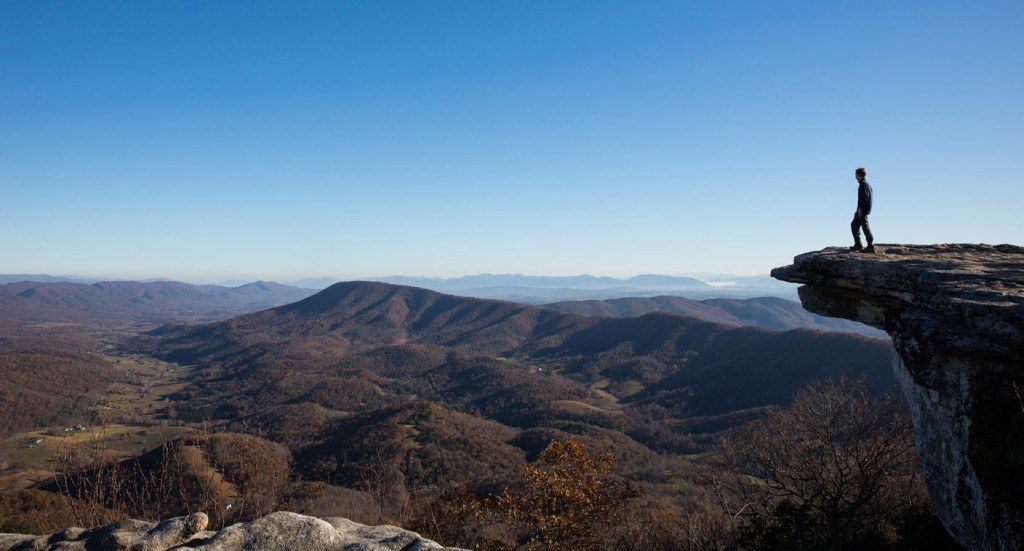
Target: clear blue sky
[(286, 139)]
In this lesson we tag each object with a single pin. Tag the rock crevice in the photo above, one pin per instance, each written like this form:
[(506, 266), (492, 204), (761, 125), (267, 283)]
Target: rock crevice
[(956, 317)]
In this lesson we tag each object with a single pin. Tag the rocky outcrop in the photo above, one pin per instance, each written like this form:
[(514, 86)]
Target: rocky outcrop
[(281, 531), (956, 317)]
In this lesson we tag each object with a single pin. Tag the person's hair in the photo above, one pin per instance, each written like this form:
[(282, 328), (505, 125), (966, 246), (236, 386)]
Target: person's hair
[(861, 172)]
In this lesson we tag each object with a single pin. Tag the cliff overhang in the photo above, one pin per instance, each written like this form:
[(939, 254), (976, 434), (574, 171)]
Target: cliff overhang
[(956, 316)]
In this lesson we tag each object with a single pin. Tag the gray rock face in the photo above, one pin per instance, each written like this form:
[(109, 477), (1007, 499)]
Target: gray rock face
[(280, 531), (956, 317)]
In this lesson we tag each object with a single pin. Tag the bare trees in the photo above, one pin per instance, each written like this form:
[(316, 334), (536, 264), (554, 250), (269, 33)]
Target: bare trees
[(834, 468), (96, 491), (231, 477)]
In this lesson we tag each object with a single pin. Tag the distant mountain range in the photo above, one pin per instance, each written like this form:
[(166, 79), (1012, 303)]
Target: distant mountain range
[(43, 278), (539, 289), (545, 289), (772, 313), (357, 315), (126, 302), (484, 281)]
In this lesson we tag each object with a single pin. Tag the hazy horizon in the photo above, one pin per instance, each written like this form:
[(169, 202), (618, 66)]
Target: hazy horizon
[(217, 141), (290, 279)]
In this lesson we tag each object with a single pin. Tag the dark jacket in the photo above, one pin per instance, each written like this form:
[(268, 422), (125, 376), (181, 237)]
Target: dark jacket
[(864, 197)]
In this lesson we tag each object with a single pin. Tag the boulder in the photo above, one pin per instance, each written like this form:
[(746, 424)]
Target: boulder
[(281, 531), (956, 317)]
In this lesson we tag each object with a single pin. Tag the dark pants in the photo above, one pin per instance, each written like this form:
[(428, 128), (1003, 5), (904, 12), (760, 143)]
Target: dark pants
[(861, 221)]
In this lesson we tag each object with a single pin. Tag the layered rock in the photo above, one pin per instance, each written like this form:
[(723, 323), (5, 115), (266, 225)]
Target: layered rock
[(281, 531), (956, 317)]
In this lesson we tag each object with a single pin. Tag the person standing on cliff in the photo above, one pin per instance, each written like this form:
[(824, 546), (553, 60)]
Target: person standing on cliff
[(860, 218)]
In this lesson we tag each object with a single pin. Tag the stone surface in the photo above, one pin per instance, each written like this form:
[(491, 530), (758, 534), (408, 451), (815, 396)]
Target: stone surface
[(956, 317), (281, 531)]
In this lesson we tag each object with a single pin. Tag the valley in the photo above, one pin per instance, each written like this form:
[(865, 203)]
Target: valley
[(132, 416), (378, 402)]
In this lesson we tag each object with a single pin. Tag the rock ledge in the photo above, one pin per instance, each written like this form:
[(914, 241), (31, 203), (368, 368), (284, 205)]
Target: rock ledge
[(956, 317), (277, 531)]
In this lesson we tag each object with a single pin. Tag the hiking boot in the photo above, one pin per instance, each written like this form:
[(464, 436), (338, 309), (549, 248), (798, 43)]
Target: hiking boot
[(870, 249), (857, 248)]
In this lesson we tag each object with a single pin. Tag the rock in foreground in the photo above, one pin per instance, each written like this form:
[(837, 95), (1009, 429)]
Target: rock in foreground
[(277, 531), (956, 316)]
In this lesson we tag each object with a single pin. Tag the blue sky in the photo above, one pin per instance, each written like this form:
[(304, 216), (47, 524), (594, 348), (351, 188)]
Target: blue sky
[(203, 140)]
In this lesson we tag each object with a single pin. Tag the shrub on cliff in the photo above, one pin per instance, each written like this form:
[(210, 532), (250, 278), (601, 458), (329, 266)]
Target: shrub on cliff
[(835, 470)]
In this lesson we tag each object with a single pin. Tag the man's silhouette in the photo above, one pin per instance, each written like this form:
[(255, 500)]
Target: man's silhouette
[(860, 218)]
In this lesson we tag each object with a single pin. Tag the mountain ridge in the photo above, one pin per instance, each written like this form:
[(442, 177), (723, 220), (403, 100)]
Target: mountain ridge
[(353, 319), (126, 302), (773, 313)]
